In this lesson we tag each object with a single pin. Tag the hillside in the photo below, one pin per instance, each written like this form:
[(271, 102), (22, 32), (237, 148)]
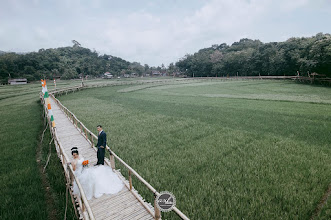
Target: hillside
[(252, 57), (244, 58), (64, 62)]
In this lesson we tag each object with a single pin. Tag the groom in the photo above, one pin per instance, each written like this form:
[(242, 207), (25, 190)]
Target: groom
[(102, 141)]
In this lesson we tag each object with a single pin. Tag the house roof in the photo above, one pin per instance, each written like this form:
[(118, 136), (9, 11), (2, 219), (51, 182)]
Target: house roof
[(20, 79)]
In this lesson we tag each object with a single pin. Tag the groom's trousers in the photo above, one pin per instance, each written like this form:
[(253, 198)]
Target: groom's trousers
[(101, 155)]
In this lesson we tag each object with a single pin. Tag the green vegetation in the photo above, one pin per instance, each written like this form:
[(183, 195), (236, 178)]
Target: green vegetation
[(245, 58), (21, 189), (65, 62), (252, 57), (226, 149), (22, 193)]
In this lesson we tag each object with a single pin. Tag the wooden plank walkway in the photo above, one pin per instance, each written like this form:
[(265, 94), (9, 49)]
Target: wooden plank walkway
[(123, 205)]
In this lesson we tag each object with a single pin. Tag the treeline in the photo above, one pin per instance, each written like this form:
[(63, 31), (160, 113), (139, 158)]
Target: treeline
[(66, 63), (252, 58), (244, 58)]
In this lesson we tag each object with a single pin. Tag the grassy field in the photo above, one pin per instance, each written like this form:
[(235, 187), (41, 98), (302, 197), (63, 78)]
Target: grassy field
[(25, 193), (226, 149)]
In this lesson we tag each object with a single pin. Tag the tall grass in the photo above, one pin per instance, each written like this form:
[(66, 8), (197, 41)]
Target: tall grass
[(249, 156), (21, 191), (23, 194)]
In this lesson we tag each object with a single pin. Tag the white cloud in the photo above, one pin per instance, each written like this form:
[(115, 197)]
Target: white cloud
[(148, 31), (292, 5)]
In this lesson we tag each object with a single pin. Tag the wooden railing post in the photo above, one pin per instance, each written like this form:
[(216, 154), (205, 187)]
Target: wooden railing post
[(157, 212), (71, 177), (61, 158), (86, 133), (130, 180), (83, 206), (112, 161)]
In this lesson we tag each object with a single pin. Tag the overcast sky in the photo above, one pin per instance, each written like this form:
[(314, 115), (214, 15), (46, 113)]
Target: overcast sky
[(155, 31)]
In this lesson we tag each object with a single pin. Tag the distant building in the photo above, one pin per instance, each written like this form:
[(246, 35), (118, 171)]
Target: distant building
[(17, 81), (176, 74), (156, 73), (107, 75), (317, 75), (56, 76), (133, 75)]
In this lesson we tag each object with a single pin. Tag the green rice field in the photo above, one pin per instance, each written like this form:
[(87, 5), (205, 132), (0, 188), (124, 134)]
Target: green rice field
[(250, 149), (23, 191)]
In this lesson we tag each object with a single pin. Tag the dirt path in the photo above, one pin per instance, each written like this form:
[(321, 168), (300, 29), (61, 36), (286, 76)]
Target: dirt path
[(321, 203)]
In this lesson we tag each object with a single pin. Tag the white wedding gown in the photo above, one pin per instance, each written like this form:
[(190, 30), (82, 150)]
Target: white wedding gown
[(97, 180)]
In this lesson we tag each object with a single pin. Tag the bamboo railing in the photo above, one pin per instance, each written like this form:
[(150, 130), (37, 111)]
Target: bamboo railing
[(92, 139), (81, 201)]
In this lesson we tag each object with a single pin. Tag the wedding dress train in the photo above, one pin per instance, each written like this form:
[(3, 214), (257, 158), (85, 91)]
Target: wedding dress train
[(97, 180)]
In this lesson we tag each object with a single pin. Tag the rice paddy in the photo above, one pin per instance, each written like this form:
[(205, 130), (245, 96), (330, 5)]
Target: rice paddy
[(23, 194), (226, 149)]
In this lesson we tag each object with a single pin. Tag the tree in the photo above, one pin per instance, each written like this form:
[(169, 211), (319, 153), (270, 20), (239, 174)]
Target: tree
[(76, 44), (216, 56), (135, 67), (252, 57), (64, 62), (171, 69)]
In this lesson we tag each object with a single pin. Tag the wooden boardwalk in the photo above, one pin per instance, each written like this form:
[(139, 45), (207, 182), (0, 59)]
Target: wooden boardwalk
[(70, 132), (123, 205)]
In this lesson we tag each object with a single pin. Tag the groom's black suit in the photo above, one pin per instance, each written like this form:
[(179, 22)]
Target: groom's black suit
[(102, 141)]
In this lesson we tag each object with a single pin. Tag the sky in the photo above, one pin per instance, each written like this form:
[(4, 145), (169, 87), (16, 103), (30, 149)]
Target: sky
[(155, 32)]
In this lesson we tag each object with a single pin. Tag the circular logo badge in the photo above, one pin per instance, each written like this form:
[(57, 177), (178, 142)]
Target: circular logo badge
[(166, 201)]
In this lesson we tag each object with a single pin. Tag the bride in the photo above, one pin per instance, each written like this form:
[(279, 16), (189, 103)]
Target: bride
[(95, 181)]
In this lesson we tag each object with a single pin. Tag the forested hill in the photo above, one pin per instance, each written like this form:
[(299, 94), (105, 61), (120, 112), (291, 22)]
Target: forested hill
[(245, 58), (252, 57), (65, 62)]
